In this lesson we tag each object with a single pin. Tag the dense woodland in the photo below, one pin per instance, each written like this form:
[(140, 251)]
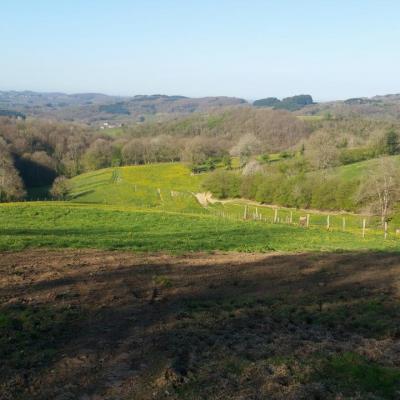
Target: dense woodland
[(39, 150), (34, 152)]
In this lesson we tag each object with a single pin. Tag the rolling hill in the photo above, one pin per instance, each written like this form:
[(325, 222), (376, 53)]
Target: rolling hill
[(386, 107), (172, 187), (154, 208), (96, 108), (162, 186)]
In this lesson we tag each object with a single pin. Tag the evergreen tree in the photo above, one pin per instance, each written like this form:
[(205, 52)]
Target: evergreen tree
[(392, 142)]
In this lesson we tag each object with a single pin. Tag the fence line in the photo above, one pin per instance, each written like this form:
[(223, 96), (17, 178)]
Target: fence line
[(305, 221)]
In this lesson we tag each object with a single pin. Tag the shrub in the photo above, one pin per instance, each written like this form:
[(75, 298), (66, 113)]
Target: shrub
[(264, 158), (60, 188), (324, 194), (223, 184), (250, 185), (392, 142), (209, 165), (349, 156), (266, 190)]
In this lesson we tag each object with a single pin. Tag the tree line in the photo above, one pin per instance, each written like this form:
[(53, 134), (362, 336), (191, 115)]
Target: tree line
[(35, 152), (307, 179)]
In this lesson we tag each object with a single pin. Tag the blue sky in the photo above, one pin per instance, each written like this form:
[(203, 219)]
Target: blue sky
[(249, 48)]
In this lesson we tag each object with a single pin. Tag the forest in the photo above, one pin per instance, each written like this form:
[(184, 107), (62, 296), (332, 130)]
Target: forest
[(271, 156)]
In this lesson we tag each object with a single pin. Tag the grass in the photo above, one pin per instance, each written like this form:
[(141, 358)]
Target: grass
[(171, 187), (351, 371), (154, 208), (171, 176), (60, 225), (353, 222), (113, 132), (249, 322), (307, 326), (359, 169), (164, 186), (28, 334)]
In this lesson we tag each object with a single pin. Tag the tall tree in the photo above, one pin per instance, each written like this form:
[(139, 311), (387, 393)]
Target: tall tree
[(380, 189), (321, 151), (11, 186), (391, 142)]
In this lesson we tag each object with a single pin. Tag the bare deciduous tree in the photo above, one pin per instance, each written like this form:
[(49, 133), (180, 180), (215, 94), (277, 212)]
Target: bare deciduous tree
[(321, 151), (247, 145), (11, 186), (60, 188), (252, 167), (381, 188)]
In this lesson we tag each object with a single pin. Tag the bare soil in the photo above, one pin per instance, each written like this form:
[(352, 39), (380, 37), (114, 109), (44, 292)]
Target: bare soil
[(117, 325)]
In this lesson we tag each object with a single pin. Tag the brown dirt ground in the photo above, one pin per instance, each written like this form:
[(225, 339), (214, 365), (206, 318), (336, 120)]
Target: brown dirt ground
[(196, 326)]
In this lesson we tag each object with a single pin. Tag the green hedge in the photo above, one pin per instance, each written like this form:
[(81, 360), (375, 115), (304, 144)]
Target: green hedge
[(301, 191)]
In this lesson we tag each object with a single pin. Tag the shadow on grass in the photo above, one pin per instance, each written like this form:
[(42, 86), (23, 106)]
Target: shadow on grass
[(38, 193), (296, 326), (81, 194)]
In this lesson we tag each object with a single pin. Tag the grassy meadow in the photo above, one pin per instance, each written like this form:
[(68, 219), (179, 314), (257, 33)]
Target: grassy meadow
[(63, 224), (164, 186), (359, 169), (193, 288), (154, 208)]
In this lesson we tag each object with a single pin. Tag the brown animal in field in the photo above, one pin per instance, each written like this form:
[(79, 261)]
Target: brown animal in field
[(302, 221)]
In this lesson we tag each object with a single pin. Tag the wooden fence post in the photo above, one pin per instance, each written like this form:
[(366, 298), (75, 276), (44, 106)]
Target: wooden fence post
[(308, 220), (344, 224), (386, 229), (363, 228), (328, 222), (245, 212), (291, 217), (275, 215)]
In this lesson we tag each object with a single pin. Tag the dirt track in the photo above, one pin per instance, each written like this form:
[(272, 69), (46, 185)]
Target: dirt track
[(198, 326)]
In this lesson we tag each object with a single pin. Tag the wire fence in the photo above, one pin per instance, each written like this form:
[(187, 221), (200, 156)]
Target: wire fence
[(360, 224), (184, 202)]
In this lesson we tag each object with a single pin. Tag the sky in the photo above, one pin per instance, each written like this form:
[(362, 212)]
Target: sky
[(250, 48)]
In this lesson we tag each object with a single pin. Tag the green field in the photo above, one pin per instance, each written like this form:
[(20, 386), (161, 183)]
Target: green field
[(337, 221), (171, 187), (154, 208), (60, 225), (358, 170), (310, 310), (163, 186)]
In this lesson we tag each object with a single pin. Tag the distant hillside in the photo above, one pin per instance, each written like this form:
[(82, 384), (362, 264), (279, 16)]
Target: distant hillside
[(386, 107), (377, 107), (97, 108), (113, 111)]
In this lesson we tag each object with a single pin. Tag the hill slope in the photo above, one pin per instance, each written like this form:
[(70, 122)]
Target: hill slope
[(377, 107), (154, 208), (164, 186), (96, 107), (359, 169)]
